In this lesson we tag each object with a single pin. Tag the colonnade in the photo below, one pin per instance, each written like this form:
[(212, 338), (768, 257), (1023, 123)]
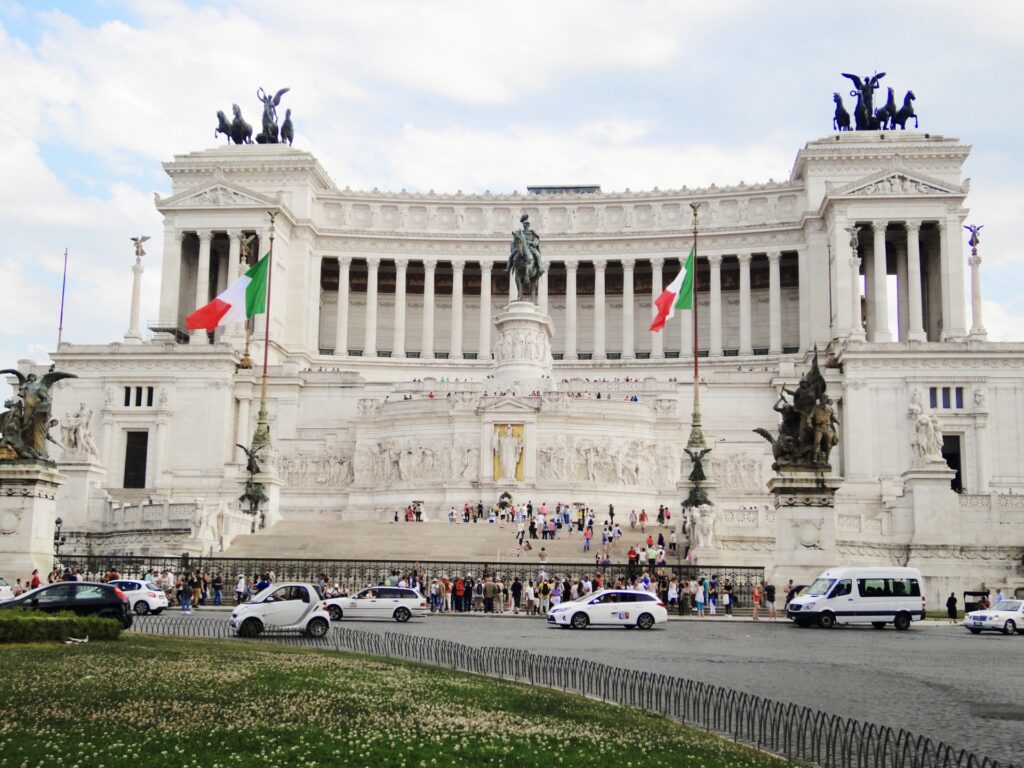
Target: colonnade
[(599, 346)]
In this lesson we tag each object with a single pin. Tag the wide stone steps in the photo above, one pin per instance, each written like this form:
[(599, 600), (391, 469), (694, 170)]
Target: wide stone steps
[(362, 540)]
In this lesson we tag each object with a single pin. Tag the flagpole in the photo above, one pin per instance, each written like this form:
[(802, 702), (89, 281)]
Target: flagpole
[(261, 438), (63, 286), (696, 441)]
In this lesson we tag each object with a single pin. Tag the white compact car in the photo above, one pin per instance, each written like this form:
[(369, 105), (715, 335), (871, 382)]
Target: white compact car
[(610, 608), (1006, 616), (876, 596), (282, 607), (143, 596), (398, 603)]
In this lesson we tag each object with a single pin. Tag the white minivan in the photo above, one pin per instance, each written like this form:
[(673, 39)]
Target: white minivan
[(854, 595)]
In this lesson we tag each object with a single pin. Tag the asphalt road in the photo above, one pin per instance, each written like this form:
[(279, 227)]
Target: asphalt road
[(935, 681)]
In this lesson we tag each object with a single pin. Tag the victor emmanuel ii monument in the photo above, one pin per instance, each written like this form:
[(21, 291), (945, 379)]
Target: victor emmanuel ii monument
[(416, 355)]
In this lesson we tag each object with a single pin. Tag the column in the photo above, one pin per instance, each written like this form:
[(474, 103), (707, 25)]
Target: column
[(977, 328), (954, 321), (234, 271), (170, 278), (341, 321), (370, 336), (427, 343), (570, 310), (484, 345), (774, 304), (902, 296), (980, 453), (628, 306), (455, 345), (746, 348), (880, 286), (242, 434), (599, 329), (398, 343), (804, 281), (715, 260), (657, 339), (202, 283), (542, 293), (916, 318), (857, 321), (133, 336), (314, 299)]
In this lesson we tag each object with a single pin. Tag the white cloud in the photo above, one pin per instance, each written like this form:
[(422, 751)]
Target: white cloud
[(1002, 324)]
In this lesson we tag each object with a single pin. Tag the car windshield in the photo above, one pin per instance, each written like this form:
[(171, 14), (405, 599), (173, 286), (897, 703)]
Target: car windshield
[(151, 585), (1008, 605), (820, 586), (263, 594)]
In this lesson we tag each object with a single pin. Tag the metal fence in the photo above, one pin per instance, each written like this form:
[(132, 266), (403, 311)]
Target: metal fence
[(797, 733), (356, 574)]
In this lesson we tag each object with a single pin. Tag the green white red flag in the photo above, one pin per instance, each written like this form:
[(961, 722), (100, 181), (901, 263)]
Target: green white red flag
[(678, 295), (245, 297)]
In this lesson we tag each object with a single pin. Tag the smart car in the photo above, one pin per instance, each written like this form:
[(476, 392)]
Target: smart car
[(1006, 616), (282, 607), (611, 608)]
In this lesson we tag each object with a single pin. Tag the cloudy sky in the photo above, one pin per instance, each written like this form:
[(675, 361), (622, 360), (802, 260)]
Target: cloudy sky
[(466, 95)]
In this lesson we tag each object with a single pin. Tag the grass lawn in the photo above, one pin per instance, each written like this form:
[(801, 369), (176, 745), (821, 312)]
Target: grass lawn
[(149, 701)]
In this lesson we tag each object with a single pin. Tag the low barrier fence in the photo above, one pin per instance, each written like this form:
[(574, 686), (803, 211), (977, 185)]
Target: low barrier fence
[(795, 732), (356, 574)]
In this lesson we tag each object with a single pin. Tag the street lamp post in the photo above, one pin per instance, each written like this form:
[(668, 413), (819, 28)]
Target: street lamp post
[(58, 540)]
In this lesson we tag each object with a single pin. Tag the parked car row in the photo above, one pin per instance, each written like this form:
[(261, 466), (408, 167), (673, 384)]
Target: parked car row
[(84, 598)]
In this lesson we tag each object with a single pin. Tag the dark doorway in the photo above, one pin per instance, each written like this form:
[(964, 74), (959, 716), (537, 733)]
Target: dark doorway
[(135, 450), (951, 455)]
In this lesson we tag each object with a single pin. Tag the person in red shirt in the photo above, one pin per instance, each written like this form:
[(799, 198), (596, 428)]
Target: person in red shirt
[(650, 540), (36, 581)]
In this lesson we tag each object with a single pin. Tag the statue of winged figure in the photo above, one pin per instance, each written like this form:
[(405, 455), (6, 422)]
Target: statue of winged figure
[(864, 113), (25, 427), (697, 457), (252, 457), (269, 135), (139, 251), (975, 230)]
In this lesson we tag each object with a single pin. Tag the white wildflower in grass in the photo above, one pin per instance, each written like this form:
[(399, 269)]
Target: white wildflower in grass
[(223, 704)]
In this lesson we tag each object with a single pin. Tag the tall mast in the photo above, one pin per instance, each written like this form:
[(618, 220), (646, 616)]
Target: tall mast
[(696, 441)]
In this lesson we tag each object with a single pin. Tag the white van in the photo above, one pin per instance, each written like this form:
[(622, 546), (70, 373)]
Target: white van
[(876, 596)]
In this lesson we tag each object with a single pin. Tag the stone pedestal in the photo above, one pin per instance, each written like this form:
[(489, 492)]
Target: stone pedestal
[(805, 520), (934, 504), (28, 508), (522, 350), (82, 499), (271, 509)]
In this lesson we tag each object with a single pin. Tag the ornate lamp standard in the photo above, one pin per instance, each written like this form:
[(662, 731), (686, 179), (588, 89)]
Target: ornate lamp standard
[(58, 540)]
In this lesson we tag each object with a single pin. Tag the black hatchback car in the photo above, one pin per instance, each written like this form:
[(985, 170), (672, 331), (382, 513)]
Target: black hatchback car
[(85, 598)]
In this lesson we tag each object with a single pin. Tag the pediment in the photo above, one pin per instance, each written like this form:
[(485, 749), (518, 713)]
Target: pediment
[(895, 183), (217, 194), (512, 404)]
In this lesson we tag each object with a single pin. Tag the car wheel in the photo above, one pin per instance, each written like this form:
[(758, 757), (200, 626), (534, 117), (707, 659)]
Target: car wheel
[(1009, 627), (878, 624), (902, 622), (580, 620), (646, 621), (142, 607), (335, 612), (250, 628), (974, 631), (402, 615), (827, 620), (317, 627)]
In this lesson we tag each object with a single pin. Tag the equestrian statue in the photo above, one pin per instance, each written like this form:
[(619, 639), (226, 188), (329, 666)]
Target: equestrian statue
[(524, 260)]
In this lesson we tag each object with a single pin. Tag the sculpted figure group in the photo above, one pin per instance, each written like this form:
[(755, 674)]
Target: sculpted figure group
[(807, 431), (239, 131), (76, 435), (25, 426), (927, 442), (865, 116)]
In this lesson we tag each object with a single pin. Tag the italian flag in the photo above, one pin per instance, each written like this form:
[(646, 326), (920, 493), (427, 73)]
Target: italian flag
[(678, 295), (245, 297)]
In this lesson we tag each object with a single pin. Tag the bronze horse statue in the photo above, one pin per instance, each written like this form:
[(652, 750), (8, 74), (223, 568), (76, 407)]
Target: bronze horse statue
[(841, 120), (241, 131), (884, 115), (905, 112), (223, 126)]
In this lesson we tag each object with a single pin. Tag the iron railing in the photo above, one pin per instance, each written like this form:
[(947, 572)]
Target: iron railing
[(795, 732), (356, 574)]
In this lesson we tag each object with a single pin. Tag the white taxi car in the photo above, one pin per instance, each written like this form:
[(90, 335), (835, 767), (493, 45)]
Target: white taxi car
[(398, 603), (1006, 616), (610, 608), (282, 607), (143, 596)]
